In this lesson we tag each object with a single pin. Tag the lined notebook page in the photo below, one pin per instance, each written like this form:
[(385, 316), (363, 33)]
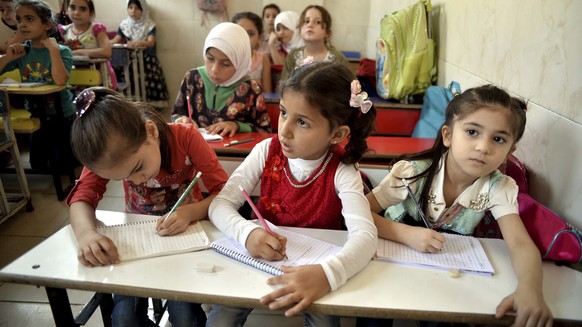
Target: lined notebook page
[(301, 250), (460, 252), (139, 240)]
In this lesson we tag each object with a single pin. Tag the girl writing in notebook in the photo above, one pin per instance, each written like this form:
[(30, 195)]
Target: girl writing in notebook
[(219, 96), (42, 59), (307, 180), (120, 140), (457, 181), (86, 37)]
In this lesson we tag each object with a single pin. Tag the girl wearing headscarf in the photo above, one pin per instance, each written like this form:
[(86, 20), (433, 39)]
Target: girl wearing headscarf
[(287, 33), (219, 96), (140, 32)]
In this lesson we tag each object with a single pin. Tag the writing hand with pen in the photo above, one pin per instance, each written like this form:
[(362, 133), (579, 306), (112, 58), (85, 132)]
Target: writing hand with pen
[(262, 244)]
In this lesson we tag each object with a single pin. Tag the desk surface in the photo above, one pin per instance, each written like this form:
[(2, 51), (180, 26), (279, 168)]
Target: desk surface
[(39, 90), (380, 290), (382, 148)]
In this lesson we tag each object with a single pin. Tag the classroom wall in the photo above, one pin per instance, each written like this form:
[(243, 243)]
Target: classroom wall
[(532, 50)]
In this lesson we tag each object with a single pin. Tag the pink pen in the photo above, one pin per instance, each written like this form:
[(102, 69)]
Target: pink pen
[(261, 219), (189, 109)]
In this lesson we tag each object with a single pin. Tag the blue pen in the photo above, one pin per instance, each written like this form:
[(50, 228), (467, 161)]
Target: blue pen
[(420, 212)]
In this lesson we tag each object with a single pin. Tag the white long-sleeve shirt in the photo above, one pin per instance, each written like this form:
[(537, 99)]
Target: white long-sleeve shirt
[(362, 234)]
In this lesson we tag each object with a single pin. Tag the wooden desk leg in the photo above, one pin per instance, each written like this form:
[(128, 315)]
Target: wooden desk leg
[(60, 307)]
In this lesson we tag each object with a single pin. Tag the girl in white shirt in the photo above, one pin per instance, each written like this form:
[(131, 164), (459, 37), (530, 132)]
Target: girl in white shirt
[(456, 181), (307, 180)]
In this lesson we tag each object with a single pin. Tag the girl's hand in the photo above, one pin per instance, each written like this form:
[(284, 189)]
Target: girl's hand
[(261, 244), (301, 286), (133, 44), (424, 240), (273, 40), (186, 120), (176, 223), (529, 306), (224, 128), (15, 51), (50, 43), (96, 250)]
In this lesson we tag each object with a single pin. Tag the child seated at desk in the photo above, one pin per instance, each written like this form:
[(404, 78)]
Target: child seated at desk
[(219, 96), (154, 159), (456, 182), (307, 180), (41, 59), (86, 37)]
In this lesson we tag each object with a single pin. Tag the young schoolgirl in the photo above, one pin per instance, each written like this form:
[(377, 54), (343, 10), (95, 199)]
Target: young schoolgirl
[(457, 181), (140, 32), (42, 59), (8, 17), (86, 37), (222, 97), (285, 38), (261, 64), (321, 105), (120, 140), (270, 11), (315, 24)]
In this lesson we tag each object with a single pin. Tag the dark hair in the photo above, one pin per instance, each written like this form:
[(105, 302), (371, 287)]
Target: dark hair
[(466, 103), (270, 6), (252, 17), (136, 2), (327, 87), (44, 12), (325, 19), (11, 5), (90, 4), (110, 115)]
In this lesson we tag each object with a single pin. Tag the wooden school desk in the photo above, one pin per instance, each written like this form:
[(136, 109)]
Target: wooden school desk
[(380, 290)]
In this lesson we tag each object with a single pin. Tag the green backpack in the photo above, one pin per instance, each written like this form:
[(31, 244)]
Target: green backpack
[(406, 62)]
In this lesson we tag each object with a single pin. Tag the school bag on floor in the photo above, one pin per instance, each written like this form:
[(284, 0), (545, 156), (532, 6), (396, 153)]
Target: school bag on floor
[(432, 115), (406, 62)]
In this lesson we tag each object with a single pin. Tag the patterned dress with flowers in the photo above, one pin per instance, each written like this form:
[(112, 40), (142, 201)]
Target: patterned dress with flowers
[(286, 202), (243, 103)]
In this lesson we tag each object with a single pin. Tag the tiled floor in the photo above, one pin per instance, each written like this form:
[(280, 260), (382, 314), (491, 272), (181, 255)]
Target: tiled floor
[(25, 305)]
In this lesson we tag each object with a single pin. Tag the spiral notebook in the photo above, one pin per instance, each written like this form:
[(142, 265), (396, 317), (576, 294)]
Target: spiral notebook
[(301, 250), (460, 252), (139, 240)]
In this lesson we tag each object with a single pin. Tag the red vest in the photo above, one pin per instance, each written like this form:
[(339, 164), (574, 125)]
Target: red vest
[(312, 203)]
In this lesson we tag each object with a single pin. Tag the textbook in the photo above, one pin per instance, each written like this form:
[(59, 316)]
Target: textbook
[(209, 137), (460, 252), (301, 250), (139, 240)]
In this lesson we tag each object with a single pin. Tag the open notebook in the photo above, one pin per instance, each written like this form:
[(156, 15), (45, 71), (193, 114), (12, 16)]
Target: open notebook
[(464, 253), (301, 250), (8, 82), (139, 240)]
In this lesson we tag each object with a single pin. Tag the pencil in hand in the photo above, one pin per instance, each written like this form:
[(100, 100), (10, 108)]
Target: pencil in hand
[(182, 197)]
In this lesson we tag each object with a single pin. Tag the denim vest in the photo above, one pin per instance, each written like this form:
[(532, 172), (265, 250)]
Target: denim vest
[(457, 218)]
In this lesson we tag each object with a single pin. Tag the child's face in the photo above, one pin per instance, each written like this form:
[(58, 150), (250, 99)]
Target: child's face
[(30, 24), (312, 26), (303, 131), (269, 19), (252, 31), (140, 166), (79, 12), (479, 142), (219, 68), (284, 34), (7, 13), (134, 12)]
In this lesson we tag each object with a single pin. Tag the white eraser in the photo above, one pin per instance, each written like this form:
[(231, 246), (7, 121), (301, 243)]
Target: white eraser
[(204, 267)]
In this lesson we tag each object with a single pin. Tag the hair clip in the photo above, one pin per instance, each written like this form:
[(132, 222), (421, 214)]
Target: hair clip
[(83, 102), (358, 98)]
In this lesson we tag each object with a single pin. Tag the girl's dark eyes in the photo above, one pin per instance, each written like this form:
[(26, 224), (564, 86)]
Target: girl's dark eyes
[(499, 139), (471, 132)]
